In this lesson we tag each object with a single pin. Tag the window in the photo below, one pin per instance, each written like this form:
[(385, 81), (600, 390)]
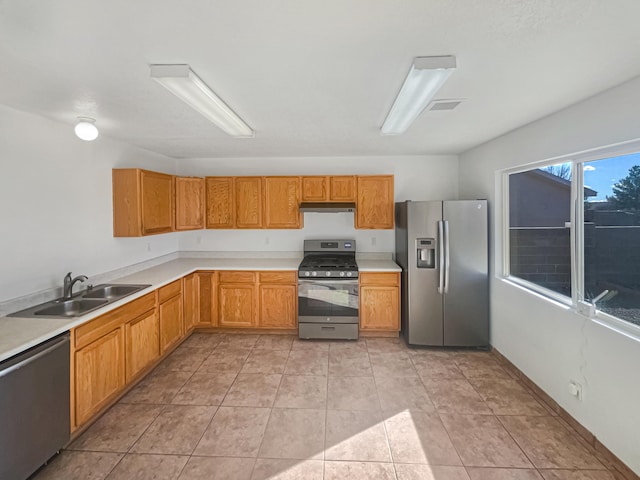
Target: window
[(611, 233), (539, 227), (600, 261)]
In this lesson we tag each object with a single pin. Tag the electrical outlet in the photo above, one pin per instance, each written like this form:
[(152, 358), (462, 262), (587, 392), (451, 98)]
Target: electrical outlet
[(373, 241), (199, 240), (267, 240), (148, 246), (575, 389)]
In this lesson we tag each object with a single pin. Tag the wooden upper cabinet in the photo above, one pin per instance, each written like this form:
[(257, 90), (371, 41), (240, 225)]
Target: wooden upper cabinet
[(143, 202), (334, 188), (342, 188), (375, 207), (157, 202), (220, 202), (282, 202), (314, 189), (189, 203), (248, 202)]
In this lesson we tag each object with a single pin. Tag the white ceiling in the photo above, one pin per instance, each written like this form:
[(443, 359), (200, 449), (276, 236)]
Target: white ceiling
[(312, 78)]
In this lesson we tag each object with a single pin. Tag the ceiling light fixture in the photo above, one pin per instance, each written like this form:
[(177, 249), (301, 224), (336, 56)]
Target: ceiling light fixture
[(188, 87), (426, 76), (86, 129)]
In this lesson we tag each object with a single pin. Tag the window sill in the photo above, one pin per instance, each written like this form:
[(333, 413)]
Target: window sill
[(616, 324)]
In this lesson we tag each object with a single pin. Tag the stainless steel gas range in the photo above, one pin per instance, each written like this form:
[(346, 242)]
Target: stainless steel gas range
[(328, 290)]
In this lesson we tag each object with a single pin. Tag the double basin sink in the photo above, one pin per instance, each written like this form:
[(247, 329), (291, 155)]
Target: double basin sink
[(81, 303)]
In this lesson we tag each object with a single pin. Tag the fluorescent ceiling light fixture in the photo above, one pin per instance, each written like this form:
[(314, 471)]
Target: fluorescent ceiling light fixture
[(425, 78), (86, 129), (188, 87)]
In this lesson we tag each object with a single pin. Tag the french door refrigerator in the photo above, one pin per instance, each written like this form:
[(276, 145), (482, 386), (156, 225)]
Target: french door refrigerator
[(442, 247)]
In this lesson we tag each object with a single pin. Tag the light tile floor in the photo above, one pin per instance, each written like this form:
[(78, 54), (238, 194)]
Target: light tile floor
[(273, 407)]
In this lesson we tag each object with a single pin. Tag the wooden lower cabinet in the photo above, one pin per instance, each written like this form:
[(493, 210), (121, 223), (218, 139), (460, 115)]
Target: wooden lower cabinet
[(278, 300), (380, 301), (170, 318), (142, 343), (207, 292), (190, 298), (236, 305), (99, 374)]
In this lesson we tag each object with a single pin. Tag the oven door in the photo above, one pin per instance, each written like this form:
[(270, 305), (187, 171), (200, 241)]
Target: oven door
[(328, 301)]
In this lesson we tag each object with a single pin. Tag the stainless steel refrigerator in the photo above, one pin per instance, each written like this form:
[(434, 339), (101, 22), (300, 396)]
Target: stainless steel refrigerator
[(442, 247)]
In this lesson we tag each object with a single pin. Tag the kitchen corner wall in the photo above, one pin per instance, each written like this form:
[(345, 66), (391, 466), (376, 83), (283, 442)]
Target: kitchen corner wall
[(55, 205), (429, 177), (550, 343)]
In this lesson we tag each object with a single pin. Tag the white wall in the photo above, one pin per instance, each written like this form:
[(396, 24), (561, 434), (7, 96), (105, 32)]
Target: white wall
[(416, 178), (55, 205), (548, 342)]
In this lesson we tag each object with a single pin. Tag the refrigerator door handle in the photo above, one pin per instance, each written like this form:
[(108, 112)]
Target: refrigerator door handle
[(447, 258), (441, 259)]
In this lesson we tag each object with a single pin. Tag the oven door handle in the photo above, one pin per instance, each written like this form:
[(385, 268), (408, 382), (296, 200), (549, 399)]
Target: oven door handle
[(324, 282)]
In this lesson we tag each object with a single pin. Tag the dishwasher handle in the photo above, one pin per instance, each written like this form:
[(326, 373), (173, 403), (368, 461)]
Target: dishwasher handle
[(62, 341)]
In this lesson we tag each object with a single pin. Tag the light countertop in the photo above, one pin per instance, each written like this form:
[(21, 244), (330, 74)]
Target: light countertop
[(19, 334)]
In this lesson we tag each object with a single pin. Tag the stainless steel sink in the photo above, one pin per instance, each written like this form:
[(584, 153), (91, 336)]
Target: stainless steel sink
[(111, 292), (82, 302), (72, 308)]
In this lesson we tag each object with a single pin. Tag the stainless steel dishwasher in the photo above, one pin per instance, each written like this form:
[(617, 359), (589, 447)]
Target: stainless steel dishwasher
[(34, 407)]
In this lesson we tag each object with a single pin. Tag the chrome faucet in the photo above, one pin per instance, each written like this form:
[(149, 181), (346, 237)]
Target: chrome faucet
[(70, 282)]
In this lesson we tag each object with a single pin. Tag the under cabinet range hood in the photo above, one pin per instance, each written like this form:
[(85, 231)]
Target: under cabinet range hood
[(327, 207)]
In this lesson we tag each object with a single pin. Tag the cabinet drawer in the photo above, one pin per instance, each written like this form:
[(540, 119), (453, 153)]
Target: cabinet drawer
[(379, 278), (168, 291), (236, 277), (95, 329), (287, 278)]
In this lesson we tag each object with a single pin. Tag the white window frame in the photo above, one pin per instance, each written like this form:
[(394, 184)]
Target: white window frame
[(577, 301)]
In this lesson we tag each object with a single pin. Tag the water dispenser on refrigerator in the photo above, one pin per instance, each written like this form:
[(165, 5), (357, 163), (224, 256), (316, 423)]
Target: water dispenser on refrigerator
[(426, 252)]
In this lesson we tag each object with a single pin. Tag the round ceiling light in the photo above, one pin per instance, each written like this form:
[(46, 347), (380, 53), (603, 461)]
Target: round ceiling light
[(86, 129)]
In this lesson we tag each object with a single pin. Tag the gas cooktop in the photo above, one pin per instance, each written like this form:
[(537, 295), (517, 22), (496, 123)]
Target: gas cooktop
[(329, 258)]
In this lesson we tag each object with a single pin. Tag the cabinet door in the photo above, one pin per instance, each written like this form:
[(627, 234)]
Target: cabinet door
[(278, 306), (141, 343), (342, 188), (170, 314), (99, 374), (157, 202), (207, 293), (220, 198), (248, 202), (314, 189), (236, 305), (375, 206), (282, 202), (379, 307), (189, 203), (189, 302)]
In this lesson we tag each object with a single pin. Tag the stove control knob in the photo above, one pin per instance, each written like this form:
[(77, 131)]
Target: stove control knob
[(313, 274), (306, 274), (327, 274), (342, 274), (349, 274)]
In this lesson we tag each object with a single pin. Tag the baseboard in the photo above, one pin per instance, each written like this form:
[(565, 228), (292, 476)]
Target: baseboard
[(609, 460)]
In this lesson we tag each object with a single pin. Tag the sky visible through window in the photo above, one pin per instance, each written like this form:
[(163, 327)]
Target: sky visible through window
[(601, 175)]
